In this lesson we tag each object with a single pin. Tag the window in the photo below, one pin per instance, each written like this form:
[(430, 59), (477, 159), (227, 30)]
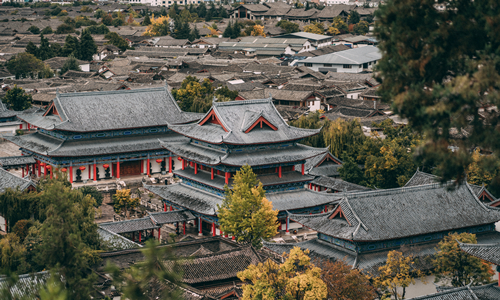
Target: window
[(327, 65), (347, 67), (308, 65)]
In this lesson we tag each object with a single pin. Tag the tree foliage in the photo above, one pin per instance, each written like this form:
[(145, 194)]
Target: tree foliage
[(288, 26), (344, 282), (480, 171), (353, 17), (396, 275), (315, 27), (159, 26), (25, 65), (440, 71), (159, 267), (87, 46), (258, 30), (124, 203), (116, 40), (245, 213), (16, 99), (296, 278), (70, 64), (94, 193), (457, 267)]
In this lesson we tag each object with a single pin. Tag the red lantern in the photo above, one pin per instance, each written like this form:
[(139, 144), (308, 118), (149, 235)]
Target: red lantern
[(159, 160), (81, 168), (64, 170), (49, 167), (42, 164), (179, 158), (105, 166)]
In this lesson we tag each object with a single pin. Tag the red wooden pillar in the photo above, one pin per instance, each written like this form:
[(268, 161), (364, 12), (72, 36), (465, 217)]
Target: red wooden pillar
[(183, 164), (170, 164), (218, 172), (147, 167), (310, 186), (27, 169), (326, 208), (118, 169), (213, 229), (142, 166), (184, 228), (200, 223), (90, 173), (287, 225), (139, 236), (302, 169), (164, 206), (95, 173), (226, 178), (212, 174), (159, 234), (22, 168), (195, 168), (70, 174), (279, 170), (133, 236), (171, 208), (39, 169)]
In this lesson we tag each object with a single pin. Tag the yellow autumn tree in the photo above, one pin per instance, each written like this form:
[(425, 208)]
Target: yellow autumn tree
[(476, 173), (315, 27), (245, 213), (396, 275), (333, 31), (124, 203), (258, 30), (159, 26), (296, 278)]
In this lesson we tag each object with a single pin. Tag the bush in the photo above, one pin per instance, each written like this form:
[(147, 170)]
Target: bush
[(19, 132)]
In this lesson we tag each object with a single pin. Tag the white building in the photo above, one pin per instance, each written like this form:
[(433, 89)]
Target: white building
[(347, 61)]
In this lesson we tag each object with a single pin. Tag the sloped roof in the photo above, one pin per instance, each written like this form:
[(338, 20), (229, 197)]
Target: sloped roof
[(421, 178), (116, 241), (22, 160), (353, 56), (26, 286), (9, 180), (484, 292), (233, 116), (129, 225), (338, 184), (168, 217), (487, 252), (403, 212), (96, 111)]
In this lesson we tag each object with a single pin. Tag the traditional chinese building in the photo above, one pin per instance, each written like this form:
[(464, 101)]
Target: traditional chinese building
[(231, 135), (110, 134), (364, 226)]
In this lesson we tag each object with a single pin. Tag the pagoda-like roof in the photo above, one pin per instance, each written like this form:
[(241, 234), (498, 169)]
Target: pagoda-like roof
[(243, 122), (110, 110), (421, 178), (402, 212), (254, 158), (55, 147), (487, 252), (325, 164), (16, 161), (206, 203), (9, 180)]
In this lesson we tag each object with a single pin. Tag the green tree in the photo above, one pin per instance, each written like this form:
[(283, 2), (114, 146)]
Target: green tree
[(94, 193), (339, 23), (44, 51), (289, 27), (56, 49), (245, 213), (12, 254), (87, 46), (17, 100), (99, 14), (477, 172), (159, 267), (457, 267), (296, 278), (361, 28), (47, 30), (124, 203), (228, 32), (70, 64), (33, 29), (396, 275), (351, 172), (226, 92), (439, 72), (194, 35), (107, 19), (146, 21), (71, 46), (31, 48), (353, 17), (69, 234), (116, 40), (117, 22), (98, 29), (25, 64), (64, 28)]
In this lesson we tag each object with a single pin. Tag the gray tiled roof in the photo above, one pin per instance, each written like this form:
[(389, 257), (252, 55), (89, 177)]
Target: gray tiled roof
[(487, 252), (129, 225), (206, 203), (254, 158), (234, 115), (27, 286), (313, 167), (421, 178), (9, 180), (16, 160), (403, 212), (338, 184), (168, 217), (95, 111), (485, 292), (36, 142), (219, 266), (116, 241)]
